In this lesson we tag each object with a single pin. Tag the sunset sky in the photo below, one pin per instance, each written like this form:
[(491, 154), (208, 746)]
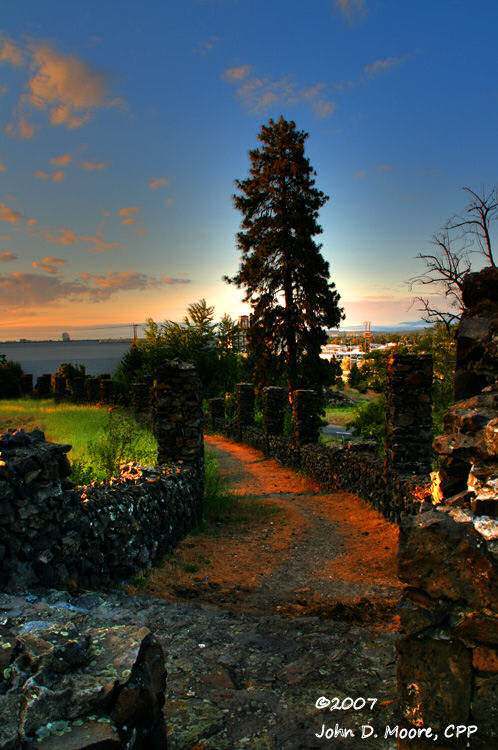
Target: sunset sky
[(123, 126)]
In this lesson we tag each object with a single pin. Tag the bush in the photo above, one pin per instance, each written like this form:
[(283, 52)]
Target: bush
[(370, 422), (10, 378), (123, 440)]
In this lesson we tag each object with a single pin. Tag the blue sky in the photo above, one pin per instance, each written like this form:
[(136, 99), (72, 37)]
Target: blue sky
[(123, 126)]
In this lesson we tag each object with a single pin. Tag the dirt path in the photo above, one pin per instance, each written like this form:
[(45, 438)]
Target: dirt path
[(326, 554)]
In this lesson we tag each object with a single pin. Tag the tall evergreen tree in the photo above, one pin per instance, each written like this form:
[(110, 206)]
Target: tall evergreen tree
[(285, 277)]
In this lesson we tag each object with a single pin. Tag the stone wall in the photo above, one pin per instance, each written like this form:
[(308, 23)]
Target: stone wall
[(352, 467), (55, 534), (448, 554), (409, 414)]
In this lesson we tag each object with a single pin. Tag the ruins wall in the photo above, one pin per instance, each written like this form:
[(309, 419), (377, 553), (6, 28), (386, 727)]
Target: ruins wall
[(57, 534), (448, 553)]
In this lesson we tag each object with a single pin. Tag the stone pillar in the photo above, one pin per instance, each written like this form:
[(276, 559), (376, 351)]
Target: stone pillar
[(244, 407), (216, 408), (106, 390), (274, 400), (93, 390), (26, 384), (59, 387), (79, 389), (409, 414), (43, 383), (177, 414), (476, 355), (305, 421), (140, 397), (448, 655)]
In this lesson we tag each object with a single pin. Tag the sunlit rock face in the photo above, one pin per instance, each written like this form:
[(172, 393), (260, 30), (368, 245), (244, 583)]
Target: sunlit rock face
[(73, 686), (448, 554)]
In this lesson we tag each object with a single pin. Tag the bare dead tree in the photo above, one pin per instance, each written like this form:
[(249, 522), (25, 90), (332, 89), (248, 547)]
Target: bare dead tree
[(464, 235)]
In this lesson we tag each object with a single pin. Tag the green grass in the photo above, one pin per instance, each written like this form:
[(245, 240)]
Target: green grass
[(61, 423), (97, 434)]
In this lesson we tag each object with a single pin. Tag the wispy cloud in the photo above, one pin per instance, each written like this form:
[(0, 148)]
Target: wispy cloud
[(204, 48), (383, 66), (8, 214), (8, 257), (114, 281), (258, 93), (66, 88), (238, 73), (96, 241), (21, 290), (2, 167), (11, 53), (30, 290), (61, 161), (57, 176), (353, 10), (158, 182), (128, 211), (92, 164), (129, 220), (362, 174), (49, 264)]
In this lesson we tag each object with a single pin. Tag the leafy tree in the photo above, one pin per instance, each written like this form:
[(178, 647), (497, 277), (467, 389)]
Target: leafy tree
[(213, 347), (370, 421), (10, 378), (464, 235), (69, 371), (285, 277)]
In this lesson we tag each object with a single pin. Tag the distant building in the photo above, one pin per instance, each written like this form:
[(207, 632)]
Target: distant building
[(66, 337)]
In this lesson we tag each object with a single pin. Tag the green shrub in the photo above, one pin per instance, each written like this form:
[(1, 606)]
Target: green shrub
[(370, 421), (10, 378), (123, 440)]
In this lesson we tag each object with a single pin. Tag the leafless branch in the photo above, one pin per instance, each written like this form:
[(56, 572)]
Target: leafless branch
[(450, 262)]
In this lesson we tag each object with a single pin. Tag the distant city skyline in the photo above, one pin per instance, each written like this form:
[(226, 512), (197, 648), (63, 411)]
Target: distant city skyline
[(123, 127)]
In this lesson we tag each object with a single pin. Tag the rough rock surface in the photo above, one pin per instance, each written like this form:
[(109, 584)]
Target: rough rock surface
[(234, 681)]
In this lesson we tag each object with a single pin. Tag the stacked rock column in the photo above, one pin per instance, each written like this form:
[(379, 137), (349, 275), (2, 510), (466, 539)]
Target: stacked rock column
[(79, 390), (273, 410), (305, 422), (177, 415), (26, 384), (93, 390), (448, 555), (140, 397), (409, 414), (43, 386), (216, 408), (244, 407)]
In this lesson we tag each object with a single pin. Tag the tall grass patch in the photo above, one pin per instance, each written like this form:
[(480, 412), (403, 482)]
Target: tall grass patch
[(101, 437)]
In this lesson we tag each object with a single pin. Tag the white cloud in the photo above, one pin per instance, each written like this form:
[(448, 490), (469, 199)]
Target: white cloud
[(66, 88), (8, 214), (92, 164), (258, 93), (383, 66), (61, 161), (158, 182)]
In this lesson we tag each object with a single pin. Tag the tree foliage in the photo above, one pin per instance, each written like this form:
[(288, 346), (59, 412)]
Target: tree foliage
[(10, 378), (464, 235), (285, 277), (212, 346)]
